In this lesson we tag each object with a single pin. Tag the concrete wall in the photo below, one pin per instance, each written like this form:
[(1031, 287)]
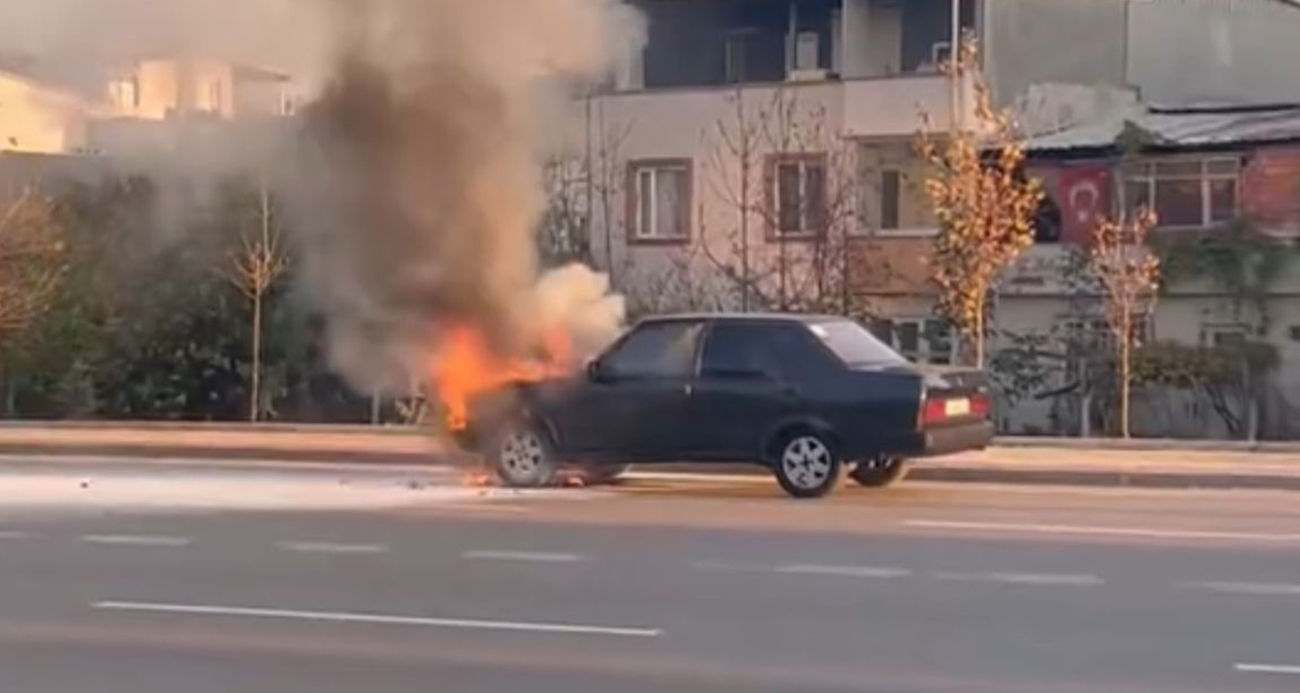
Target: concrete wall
[(1031, 41), (39, 120), (1183, 51)]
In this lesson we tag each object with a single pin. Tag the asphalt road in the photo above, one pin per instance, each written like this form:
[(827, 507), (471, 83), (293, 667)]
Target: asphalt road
[(658, 585)]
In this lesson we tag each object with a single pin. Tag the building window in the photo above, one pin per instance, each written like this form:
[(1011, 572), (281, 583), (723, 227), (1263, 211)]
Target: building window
[(798, 195), (659, 201), (734, 56), (1226, 335), (1187, 193), (125, 92), (891, 190), (921, 340)]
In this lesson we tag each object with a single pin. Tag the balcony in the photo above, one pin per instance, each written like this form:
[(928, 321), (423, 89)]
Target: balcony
[(893, 106)]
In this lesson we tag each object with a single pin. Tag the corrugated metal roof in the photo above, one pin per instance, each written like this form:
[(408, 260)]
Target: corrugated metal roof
[(1184, 127)]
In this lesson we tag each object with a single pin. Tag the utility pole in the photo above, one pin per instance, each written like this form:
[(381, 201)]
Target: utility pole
[(954, 56)]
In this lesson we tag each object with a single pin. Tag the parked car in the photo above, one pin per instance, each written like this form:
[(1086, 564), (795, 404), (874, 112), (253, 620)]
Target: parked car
[(804, 396)]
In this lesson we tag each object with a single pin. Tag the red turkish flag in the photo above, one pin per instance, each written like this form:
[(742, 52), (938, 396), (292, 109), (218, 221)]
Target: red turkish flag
[(1083, 195)]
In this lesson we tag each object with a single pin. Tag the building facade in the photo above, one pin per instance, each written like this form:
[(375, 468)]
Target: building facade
[(762, 154)]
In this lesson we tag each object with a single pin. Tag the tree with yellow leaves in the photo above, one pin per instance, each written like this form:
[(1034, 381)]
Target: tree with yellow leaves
[(983, 203), (1129, 274)]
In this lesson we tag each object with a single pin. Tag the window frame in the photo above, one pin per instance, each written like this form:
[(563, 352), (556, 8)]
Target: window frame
[(635, 169), (698, 338), (925, 325), (1146, 172), (805, 161)]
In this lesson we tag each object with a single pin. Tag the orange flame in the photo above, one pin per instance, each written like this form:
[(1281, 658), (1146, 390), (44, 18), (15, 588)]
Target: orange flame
[(464, 367)]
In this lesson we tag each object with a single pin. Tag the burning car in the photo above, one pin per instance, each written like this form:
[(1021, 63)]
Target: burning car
[(804, 396)]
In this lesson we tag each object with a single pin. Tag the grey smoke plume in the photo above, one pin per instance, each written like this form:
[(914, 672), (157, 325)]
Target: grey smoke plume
[(416, 181), (427, 140)]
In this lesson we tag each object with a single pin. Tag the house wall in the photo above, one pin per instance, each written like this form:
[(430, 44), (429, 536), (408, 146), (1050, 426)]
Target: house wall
[(1184, 51), (684, 124), (39, 120), (1068, 41)]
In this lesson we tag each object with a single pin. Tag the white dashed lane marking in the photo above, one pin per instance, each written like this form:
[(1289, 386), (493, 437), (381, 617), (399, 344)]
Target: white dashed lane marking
[(847, 571), (136, 540), (381, 619), (1283, 669), (1064, 579), (12, 536), (528, 556), (330, 547), (1253, 588)]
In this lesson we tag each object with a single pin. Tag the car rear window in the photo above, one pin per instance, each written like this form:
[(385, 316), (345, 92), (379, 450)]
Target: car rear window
[(854, 344)]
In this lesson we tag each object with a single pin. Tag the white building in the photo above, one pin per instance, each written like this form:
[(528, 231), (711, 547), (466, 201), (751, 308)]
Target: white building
[(677, 223)]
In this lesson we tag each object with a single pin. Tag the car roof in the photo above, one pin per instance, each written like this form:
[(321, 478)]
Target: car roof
[(743, 317)]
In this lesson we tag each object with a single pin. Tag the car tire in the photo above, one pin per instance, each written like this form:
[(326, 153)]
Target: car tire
[(806, 464), (603, 473), (522, 456), (880, 471)]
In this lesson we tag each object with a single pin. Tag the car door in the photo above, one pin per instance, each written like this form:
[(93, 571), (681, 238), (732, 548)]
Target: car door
[(745, 388), (633, 405)]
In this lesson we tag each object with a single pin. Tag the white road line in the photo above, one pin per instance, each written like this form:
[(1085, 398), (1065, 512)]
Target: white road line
[(1268, 669), (13, 535), (1255, 588), (136, 540), (345, 617), (536, 557), (328, 547), (1075, 579), (857, 571), (1102, 531)]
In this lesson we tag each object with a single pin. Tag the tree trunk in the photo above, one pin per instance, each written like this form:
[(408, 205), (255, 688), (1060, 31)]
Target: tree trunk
[(255, 390), (979, 334), (1125, 342)]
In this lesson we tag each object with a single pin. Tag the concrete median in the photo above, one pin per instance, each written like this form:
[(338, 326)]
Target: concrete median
[(1140, 463)]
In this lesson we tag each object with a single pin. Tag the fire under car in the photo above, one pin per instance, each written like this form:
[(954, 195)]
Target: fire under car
[(804, 396)]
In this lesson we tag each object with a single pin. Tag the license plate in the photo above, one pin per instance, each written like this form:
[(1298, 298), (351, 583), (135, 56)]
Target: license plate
[(957, 407)]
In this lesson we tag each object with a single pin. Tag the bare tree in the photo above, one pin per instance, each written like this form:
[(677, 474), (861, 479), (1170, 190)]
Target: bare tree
[(254, 269), (790, 188), (32, 260), (984, 205), (606, 177), (1129, 273)]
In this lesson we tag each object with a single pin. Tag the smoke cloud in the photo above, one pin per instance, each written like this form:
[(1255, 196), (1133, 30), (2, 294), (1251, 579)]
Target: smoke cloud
[(429, 140), (414, 174)]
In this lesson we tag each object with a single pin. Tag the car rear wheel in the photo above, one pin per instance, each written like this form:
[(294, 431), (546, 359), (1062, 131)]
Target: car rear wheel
[(879, 471), (522, 457), (807, 465)]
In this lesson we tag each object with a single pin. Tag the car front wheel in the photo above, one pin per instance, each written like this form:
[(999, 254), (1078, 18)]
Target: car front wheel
[(807, 465), (879, 471), (522, 457)]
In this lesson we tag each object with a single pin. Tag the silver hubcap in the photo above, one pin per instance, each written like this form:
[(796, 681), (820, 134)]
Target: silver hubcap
[(522, 453), (806, 462)]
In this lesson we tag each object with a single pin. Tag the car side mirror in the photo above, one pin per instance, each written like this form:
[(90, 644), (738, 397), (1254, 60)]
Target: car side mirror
[(595, 371)]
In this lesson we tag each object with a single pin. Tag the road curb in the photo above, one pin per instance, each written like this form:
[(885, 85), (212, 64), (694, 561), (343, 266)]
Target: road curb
[(1094, 478), (950, 472)]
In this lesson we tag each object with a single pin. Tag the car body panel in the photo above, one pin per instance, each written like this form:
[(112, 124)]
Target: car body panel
[(732, 387)]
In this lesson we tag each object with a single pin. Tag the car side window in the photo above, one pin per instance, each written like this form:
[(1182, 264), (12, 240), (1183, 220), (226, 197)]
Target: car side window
[(656, 350), (736, 350)]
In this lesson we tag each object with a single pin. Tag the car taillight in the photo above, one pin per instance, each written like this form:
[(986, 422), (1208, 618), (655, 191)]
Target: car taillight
[(934, 410), (939, 409)]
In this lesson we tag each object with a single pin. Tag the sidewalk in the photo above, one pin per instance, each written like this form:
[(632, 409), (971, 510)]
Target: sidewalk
[(1143, 463)]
